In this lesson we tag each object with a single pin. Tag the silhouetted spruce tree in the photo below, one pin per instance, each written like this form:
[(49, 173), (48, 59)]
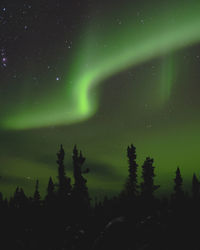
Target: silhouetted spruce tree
[(50, 197), (178, 194), (13, 203), (147, 185), (19, 199), (131, 183), (80, 189), (36, 196), (50, 188), (23, 198), (64, 182), (195, 187)]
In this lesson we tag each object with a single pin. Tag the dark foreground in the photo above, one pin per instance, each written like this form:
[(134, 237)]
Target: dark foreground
[(133, 220)]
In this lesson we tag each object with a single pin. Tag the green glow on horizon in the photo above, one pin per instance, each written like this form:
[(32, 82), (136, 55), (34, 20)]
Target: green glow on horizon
[(108, 51)]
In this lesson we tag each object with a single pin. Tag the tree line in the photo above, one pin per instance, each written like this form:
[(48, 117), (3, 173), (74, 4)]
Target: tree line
[(133, 219)]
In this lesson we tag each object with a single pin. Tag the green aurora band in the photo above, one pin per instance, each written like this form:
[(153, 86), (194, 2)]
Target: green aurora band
[(107, 49)]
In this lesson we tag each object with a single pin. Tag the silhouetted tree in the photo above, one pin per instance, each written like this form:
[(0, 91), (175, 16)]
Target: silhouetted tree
[(50, 197), (80, 189), (147, 185), (36, 195), (178, 183), (178, 196), (50, 188), (23, 198), (14, 200), (131, 183), (19, 200), (64, 182), (195, 187)]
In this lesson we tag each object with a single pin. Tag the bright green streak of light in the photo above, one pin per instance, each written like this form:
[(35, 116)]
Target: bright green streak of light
[(168, 76), (105, 52)]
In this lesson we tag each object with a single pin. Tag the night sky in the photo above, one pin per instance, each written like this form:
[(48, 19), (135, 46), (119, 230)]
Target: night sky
[(102, 76)]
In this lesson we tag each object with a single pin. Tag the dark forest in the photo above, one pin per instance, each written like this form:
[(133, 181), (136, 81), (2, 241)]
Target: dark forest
[(135, 219)]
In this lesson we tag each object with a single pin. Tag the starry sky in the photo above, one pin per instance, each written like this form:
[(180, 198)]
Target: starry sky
[(101, 75)]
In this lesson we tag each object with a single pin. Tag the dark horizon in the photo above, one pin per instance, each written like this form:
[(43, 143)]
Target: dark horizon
[(135, 219)]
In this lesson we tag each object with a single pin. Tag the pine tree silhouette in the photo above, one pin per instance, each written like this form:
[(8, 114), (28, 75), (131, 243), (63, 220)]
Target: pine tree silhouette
[(131, 183), (23, 198), (36, 195), (64, 182), (50, 188), (178, 197), (19, 200), (50, 197), (14, 201), (80, 189), (178, 183), (147, 185)]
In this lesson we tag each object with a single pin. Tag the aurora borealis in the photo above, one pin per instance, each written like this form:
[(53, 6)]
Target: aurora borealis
[(101, 75)]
